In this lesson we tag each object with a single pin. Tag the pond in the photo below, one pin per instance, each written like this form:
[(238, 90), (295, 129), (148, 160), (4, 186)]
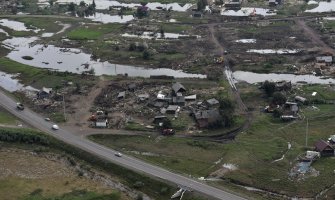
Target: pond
[(247, 12), (76, 61), (251, 78), (152, 35), (106, 18), (323, 6), (105, 4), (9, 83), (15, 25)]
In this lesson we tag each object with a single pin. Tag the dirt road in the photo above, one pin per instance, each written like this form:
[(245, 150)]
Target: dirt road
[(313, 36)]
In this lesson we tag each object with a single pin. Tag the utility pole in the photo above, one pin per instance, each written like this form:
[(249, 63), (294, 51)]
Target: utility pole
[(306, 133), (64, 107)]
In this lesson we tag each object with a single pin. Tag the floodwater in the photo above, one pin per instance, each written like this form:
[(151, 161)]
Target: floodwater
[(323, 6), (15, 25), (274, 51), (247, 12), (76, 61), (105, 4), (245, 41), (9, 83), (105, 18), (151, 35), (252, 78)]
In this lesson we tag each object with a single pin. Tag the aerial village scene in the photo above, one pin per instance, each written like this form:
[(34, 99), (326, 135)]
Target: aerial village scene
[(167, 99)]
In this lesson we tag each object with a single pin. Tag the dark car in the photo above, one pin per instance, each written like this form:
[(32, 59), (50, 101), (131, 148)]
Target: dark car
[(168, 131)]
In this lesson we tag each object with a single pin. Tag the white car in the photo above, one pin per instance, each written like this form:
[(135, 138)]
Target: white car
[(118, 154), (55, 127)]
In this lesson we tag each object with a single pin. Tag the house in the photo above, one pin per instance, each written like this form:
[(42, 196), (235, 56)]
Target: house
[(328, 60), (207, 118), (121, 95), (312, 155), (324, 148), (172, 109), (300, 99), (178, 87), (44, 93), (212, 103), (160, 96)]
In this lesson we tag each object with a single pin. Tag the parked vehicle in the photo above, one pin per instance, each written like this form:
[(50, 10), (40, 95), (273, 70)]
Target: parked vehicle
[(168, 131)]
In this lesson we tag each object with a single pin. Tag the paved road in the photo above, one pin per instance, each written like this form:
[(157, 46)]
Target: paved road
[(129, 162)]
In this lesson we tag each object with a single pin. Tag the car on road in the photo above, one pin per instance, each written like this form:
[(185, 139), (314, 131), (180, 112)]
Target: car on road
[(55, 127), (47, 119), (19, 106), (118, 154)]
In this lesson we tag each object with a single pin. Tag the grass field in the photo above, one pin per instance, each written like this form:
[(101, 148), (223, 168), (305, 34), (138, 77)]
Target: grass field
[(37, 77), (253, 152), (30, 176), (94, 32), (6, 118)]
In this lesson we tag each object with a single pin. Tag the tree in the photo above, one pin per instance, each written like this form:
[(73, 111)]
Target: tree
[(269, 88), (162, 32), (201, 4), (226, 110), (72, 7), (93, 4), (146, 55), (278, 98)]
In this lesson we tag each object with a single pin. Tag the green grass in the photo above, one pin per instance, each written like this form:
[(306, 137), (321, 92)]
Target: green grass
[(134, 127), (175, 28), (182, 155), (253, 152), (48, 24), (6, 118), (94, 32), (84, 34), (74, 195)]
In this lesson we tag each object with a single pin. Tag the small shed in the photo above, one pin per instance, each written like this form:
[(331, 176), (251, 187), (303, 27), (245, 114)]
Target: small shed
[(324, 59), (44, 93), (300, 99), (101, 123), (292, 107), (172, 109), (191, 97), (121, 95), (324, 148), (178, 87)]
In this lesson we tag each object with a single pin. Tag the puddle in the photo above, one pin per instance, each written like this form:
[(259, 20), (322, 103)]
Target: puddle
[(74, 60), (251, 78), (247, 12), (273, 51), (9, 83), (151, 35), (15, 25), (47, 35), (105, 18), (246, 41), (312, 2), (323, 7), (105, 4)]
